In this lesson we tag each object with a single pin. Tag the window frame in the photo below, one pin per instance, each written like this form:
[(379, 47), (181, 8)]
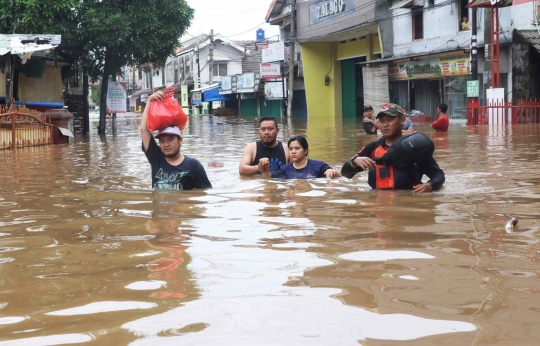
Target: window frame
[(415, 19)]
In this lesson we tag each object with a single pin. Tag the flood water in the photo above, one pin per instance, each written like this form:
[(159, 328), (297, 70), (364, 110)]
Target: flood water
[(90, 254)]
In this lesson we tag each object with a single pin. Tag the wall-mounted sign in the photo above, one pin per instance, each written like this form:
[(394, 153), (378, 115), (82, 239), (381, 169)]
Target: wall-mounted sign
[(270, 70), (330, 9), (196, 96), (429, 68), (473, 87), (247, 83), (273, 52), (226, 85), (274, 90)]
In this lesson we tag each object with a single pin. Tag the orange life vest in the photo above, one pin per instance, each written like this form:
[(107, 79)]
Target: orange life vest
[(388, 177)]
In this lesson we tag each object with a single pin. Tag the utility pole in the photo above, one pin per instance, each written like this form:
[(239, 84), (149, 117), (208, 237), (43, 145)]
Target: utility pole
[(211, 59), (292, 45), (474, 51), (198, 65)]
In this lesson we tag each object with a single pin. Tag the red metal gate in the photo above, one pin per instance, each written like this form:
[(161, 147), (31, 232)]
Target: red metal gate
[(21, 127), (526, 111)]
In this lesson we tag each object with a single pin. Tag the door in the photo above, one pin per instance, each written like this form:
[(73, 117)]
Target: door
[(348, 87)]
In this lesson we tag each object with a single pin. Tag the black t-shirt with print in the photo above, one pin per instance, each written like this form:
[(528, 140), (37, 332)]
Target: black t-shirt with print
[(188, 175)]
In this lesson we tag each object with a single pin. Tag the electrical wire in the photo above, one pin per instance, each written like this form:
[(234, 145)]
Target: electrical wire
[(255, 27)]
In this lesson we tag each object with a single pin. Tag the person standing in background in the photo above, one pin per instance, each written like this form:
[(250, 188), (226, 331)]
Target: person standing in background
[(370, 126), (441, 125)]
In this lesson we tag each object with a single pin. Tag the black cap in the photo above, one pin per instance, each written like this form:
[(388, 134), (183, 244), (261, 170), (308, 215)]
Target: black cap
[(368, 108)]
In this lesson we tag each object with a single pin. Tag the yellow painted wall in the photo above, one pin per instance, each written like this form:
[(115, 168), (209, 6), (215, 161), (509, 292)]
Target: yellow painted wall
[(352, 49), (48, 88), (2, 84)]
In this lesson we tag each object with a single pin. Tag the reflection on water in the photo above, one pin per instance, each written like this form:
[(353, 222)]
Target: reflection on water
[(90, 254)]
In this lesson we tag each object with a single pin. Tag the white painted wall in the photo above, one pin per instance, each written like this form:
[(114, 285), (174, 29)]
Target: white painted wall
[(230, 55)]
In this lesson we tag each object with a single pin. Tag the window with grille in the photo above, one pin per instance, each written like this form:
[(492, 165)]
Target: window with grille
[(220, 69)]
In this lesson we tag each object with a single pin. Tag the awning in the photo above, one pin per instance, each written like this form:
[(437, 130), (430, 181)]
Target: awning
[(210, 95), (21, 44), (487, 3), (533, 37), (407, 3)]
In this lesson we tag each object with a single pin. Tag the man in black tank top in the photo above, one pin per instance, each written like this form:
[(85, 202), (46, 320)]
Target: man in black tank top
[(268, 147)]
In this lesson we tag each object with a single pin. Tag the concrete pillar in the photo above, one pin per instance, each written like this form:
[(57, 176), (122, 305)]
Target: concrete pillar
[(59, 118)]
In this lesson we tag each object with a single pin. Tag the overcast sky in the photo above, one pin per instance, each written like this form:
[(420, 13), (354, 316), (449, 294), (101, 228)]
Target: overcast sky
[(238, 19)]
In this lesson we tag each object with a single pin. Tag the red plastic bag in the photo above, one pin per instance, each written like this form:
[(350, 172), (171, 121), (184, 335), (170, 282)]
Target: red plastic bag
[(162, 114)]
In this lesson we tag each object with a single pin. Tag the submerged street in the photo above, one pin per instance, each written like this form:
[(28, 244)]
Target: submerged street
[(89, 253)]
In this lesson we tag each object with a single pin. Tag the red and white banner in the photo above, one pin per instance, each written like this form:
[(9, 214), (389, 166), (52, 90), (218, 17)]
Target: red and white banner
[(270, 70)]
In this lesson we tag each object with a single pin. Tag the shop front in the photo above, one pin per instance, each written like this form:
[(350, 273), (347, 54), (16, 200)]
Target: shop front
[(419, 85)]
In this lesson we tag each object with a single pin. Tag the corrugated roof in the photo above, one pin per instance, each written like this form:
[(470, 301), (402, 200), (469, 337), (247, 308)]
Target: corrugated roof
[(533, 37)]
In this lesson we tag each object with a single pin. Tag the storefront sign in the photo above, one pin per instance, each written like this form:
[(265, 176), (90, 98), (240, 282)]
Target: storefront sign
[(185, 93), (247, 83), (325, 10), (429, 68), (273, 52), (196, 96), (226, 85), (473, 88), (274, 90), (270, 70), (116, 97)]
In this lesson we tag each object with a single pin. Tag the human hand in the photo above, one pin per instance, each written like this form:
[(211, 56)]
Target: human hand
[(264, 164), (367, 120), (158, 95), (366, 163), (330, 173), (422, 188)]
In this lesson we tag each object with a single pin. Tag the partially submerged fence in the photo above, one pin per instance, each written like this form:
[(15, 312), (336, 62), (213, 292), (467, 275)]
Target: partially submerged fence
[(21, 127), (504, 112)]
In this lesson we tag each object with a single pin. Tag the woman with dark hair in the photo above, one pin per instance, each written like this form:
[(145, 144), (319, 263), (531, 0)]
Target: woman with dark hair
[(300, 166)]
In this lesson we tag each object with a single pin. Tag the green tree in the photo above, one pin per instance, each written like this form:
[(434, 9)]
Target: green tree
[(106, 34)]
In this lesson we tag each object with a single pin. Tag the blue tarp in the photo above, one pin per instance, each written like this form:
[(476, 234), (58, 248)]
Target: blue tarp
[(214, 95)]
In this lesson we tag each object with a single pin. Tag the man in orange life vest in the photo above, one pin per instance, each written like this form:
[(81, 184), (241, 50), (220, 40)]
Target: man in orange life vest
[(391, 118)]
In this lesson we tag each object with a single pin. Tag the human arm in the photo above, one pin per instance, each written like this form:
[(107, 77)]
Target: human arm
[(264, 166), (146, 135), (435, 175), (332, 173), (286, 150), (245, 167), (359, 162), (437, 124), (374, 125), (201, 179)]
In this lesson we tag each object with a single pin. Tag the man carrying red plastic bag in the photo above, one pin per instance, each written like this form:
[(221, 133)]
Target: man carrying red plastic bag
[(170, 168)]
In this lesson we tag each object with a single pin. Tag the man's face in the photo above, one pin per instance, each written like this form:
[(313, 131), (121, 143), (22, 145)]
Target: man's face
[(268, 132), (369, 113), (438, 111), (170, 145), (390, 126), (465, 19)]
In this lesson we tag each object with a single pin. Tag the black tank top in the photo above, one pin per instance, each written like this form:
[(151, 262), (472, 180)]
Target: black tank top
[(276, 155)]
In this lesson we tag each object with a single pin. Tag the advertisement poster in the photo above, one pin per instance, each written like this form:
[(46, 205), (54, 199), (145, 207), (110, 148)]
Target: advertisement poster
[(185, 94), (226, 85), (429, 68), (274, 90), (116, 97), (273, 52)]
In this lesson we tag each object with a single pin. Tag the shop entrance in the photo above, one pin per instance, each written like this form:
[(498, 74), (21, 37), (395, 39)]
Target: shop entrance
[(352, 88), (425, 96)]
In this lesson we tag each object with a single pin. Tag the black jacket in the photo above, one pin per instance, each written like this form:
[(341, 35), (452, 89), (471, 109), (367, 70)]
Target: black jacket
[(427, 167)]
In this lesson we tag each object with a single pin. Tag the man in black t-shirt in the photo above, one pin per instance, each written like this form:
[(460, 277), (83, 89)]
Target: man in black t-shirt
[(170, 169), (370, 126)]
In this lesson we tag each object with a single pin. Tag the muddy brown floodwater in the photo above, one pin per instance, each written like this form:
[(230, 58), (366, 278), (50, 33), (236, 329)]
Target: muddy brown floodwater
[(89, 254)]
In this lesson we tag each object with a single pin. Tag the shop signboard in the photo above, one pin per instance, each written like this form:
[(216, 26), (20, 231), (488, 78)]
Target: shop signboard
[(185, 94), (274, 90), (116, 97), (473, 88), (429, 68), (247, 83), (321, 11), (270, 70), (226, 85), (273, 52), (196, 96)]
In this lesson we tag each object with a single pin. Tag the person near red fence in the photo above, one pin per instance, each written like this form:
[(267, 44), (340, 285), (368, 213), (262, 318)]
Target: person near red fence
[(170, 168), (441, 125), (406, 170)]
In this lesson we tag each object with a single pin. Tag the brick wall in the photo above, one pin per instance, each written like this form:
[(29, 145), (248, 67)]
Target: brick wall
[(73, 99)]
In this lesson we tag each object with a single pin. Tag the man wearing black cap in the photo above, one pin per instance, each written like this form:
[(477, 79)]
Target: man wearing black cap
[(370, 126), (170, 169), (391, 119)]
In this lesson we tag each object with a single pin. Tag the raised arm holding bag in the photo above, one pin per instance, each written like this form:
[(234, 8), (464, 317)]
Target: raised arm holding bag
[(165, 113)]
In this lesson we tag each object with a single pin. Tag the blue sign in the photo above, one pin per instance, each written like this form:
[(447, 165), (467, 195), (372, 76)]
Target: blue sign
[(260, 34)]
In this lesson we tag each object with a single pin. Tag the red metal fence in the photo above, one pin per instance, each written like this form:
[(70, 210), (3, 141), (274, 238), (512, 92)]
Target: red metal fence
[(21, 127), (505, 112)]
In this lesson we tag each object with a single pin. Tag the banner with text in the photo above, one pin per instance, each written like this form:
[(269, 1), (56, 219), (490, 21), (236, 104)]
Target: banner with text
[(116, 97), (274, 90), (273, 52), (270, 71), (429, 68)]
